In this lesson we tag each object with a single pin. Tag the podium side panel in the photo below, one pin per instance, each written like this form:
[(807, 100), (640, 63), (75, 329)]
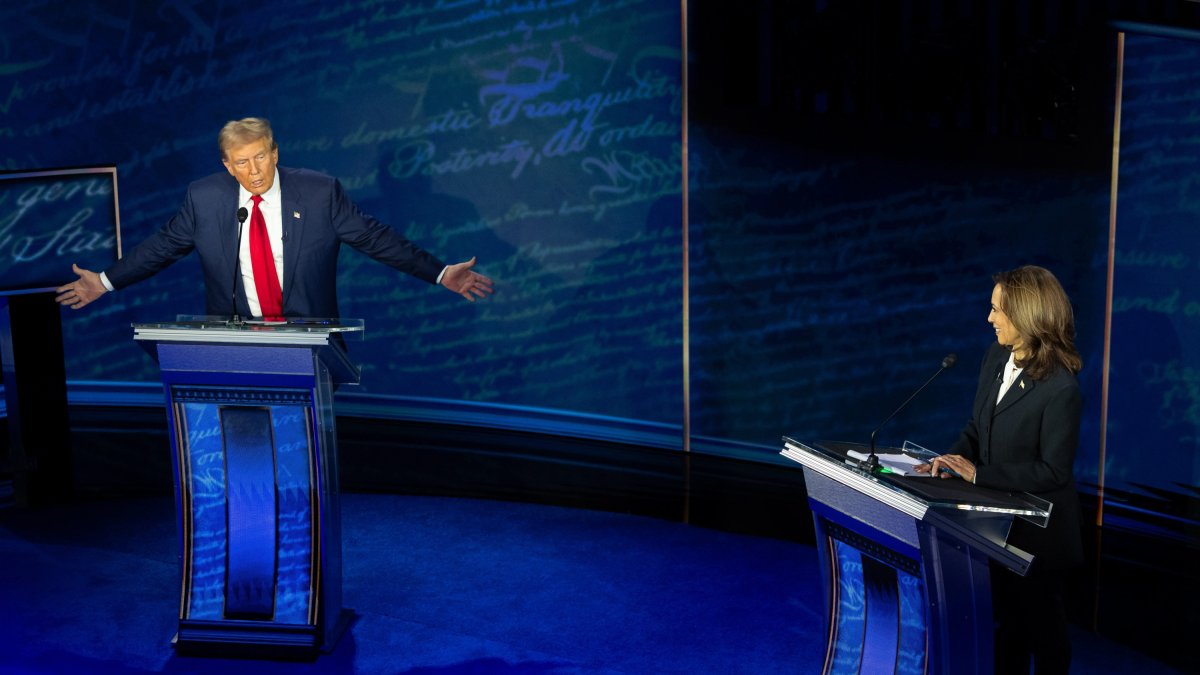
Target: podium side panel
[(328, 517), (295, 595), (958, 580)]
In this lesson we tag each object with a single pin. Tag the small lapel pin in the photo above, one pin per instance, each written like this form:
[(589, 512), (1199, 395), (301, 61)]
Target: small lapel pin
[(296, 214), (1022, 383)]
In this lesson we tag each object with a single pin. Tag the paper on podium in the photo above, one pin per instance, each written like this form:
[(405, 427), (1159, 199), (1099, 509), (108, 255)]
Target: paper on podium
[(898, 463)]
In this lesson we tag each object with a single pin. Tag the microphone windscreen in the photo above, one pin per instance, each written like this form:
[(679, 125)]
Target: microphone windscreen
[(242, 215), (950, 360)]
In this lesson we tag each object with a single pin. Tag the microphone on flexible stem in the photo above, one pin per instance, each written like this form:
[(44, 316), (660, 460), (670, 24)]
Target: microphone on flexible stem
[(872, 461), (234, 319)]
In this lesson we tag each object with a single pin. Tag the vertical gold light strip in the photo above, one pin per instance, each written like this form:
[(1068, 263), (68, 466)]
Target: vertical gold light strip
[(1108, 303), (1108, 292), (183, 461), (314, 515), (834, 600), (687, 384)]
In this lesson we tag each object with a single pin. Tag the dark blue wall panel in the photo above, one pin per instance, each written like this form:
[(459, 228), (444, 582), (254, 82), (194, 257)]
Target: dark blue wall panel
[(1154, 391), (860, 273)]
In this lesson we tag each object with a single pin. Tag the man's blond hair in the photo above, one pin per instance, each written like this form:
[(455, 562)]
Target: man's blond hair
[(237, 133)]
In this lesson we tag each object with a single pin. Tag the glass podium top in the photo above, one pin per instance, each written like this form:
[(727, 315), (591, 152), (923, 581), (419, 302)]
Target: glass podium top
[(198, 328), (913, 495)]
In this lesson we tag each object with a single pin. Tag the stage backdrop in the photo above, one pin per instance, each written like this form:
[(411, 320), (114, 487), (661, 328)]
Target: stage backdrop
[(544, 138), (541, 137), (1153, 448)]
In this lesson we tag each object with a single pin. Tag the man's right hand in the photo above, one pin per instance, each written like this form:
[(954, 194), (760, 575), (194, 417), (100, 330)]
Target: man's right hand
[(82, 291)]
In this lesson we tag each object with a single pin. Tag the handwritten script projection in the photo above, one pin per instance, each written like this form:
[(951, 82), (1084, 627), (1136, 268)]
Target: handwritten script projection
[(1154, 390), (541, 137), (50, 219)]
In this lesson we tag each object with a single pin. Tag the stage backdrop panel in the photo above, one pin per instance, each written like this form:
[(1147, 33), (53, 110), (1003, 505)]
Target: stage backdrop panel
[(862, 271), (1154, 390), (543, 138)]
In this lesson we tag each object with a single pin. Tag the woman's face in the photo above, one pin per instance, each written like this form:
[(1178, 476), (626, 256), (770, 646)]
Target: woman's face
[(1006, 333)]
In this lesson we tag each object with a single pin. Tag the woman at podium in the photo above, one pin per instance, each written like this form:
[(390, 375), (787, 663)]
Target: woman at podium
[(1022, 436)]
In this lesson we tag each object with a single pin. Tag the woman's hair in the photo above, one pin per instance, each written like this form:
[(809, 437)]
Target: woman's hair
[(1039, 309), (243, 131)]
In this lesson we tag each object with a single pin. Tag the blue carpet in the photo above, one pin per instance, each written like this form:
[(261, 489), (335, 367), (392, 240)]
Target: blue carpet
[(444, 586)]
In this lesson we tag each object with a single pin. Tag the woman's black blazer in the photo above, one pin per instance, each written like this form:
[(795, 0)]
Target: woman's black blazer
[(1027, 443)]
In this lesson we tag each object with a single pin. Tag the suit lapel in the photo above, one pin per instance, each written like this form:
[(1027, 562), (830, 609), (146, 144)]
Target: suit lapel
[(292, 216), (229, 237), (986, 412), (1023, 386), (229, 232)]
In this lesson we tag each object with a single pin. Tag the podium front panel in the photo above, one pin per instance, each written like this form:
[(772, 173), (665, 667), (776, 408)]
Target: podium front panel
[(878, 603), (249, 499)]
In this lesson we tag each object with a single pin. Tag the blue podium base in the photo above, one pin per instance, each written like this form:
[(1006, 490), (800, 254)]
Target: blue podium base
[(258, 639)]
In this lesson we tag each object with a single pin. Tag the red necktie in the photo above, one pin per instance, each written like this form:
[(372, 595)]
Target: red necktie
[(266, 281)]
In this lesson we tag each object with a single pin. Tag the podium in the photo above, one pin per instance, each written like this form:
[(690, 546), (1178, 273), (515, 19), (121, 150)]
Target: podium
[(905, 563), (250, 413)]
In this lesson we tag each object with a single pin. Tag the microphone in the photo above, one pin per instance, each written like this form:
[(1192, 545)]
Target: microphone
[(234, 319), (872, 461)]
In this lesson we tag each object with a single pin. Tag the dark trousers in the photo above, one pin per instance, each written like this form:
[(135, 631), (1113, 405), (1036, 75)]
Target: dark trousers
[(1031, 622)]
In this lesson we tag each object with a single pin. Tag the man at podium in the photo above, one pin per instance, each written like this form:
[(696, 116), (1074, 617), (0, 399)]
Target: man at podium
[(285, 264)]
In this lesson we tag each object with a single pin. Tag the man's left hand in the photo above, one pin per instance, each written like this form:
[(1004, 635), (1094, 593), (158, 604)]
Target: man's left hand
[(82, 291), (462, 280)]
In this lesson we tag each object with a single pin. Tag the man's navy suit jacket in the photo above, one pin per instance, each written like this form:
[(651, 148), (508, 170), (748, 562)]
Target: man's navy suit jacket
[(1027, 443), (317, 218)]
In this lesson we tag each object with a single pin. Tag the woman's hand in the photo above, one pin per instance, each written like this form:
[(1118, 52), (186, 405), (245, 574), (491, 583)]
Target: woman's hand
[(949, 466)]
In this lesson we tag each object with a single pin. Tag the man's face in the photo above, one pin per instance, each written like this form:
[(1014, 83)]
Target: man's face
[(253, 165)]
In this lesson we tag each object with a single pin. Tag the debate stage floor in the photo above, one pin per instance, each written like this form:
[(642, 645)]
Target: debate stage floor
[(445, 585)]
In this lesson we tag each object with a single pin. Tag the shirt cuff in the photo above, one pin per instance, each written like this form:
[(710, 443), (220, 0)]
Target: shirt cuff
[(104, 280), (441, 274)]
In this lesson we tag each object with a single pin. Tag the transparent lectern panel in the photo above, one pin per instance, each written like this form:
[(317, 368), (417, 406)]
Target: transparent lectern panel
[(289, 325), (1030, 507), (934, 493), (220, 330)]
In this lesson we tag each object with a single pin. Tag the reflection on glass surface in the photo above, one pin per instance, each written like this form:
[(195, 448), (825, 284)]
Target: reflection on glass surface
[(354, 327)]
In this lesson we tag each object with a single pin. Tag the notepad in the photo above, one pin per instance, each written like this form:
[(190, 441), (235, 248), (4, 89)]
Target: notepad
[(897, 463)]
